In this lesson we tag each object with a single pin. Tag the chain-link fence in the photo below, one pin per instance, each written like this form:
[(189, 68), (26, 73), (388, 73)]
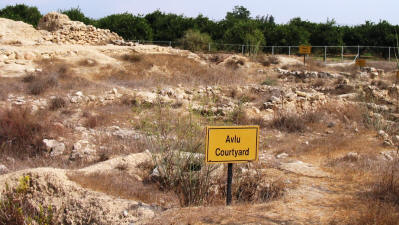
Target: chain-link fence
[(324, 53)]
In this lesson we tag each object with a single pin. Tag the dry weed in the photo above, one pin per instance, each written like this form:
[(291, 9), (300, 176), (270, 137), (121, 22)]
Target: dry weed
[(152, 70), (57, 103), (21, 132)]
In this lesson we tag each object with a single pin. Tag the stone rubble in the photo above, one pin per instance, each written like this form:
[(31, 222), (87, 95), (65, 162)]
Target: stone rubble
[(64, 31)]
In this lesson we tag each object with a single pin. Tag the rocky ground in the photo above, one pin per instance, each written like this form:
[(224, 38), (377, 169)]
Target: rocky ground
[(92, 120)]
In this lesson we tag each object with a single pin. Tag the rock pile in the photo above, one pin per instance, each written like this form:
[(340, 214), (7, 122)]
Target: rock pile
[(307, 74), (64, 31)]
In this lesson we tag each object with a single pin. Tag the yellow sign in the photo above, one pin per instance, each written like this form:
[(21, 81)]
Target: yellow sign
[(232, 144), (361, 62), (304, 49)]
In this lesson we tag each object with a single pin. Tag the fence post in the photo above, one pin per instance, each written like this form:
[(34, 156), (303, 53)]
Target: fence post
[(289, 50), (272, 50), (342, 53), (325, 53), (209, 47), (170, 43), (358, 51), (389, 53), (242, 49)]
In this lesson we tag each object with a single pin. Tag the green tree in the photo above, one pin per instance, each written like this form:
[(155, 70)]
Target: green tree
[(168, 27), (128, 26), (288, 34), (21, 12), (76, 14), (245, 32), (238, 13), (327, 34)]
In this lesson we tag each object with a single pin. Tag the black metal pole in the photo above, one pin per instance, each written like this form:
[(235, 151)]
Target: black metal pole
[(304, 59), (229, 180)]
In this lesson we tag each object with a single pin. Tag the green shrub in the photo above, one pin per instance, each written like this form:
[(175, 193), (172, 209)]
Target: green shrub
[(21, 12), (194, 40)]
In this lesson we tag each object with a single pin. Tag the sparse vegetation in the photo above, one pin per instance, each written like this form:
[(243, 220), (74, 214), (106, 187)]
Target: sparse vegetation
[(40, 85), (16, 209), (21, 133), (254, 188), (133, 58), (267, 60), (288, 122), (269, 81), (177, 154)]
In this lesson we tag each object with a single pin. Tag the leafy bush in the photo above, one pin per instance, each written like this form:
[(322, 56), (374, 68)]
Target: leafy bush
[(21, 12), (16, 209), (194, 40), (128, 26)]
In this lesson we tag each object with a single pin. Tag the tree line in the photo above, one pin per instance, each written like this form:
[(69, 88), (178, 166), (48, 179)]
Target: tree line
[(238, 27)]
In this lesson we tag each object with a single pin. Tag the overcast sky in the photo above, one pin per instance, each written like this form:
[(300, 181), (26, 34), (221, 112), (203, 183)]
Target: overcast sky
[(345, 12)]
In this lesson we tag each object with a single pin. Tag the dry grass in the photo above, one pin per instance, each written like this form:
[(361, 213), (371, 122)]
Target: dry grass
[(21, 133), (368, 213), (93, 121), (62, 73), (40, 84), (386, 187), (153, 70), (267, 60), (288, 122), (120, 184), (132, 58), (379, 204), (10, 86), (254, 188), (234, 64), (385, 65)]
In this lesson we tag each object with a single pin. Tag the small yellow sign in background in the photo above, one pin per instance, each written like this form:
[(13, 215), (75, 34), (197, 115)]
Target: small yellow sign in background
[(232, 144), (304, 49), (361, 62)]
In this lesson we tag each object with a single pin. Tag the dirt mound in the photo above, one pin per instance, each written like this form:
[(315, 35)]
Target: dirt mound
[(65, 31), (18, 33), (75, 205)]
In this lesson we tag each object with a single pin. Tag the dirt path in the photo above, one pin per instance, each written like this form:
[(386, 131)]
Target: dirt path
[(312, 201)]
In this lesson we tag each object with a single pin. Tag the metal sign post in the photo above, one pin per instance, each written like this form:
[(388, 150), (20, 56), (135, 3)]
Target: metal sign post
[(229, 181), (231, 144), (305, 50)]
